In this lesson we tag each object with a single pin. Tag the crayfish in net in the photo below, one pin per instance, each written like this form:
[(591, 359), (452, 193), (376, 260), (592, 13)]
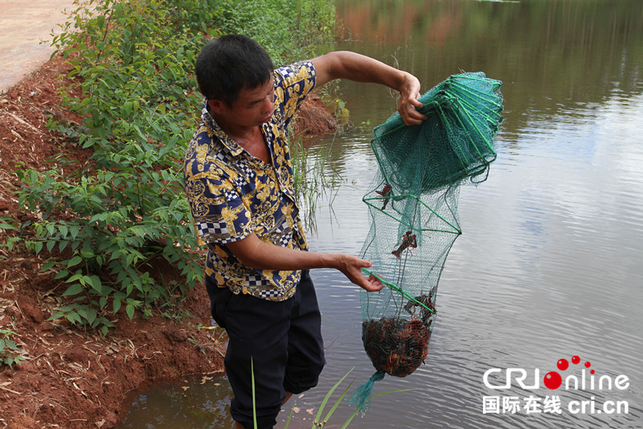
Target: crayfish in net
[(423, 305), (410, 240), (396, 346)]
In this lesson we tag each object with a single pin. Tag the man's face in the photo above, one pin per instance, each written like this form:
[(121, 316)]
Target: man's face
[(253, 107)]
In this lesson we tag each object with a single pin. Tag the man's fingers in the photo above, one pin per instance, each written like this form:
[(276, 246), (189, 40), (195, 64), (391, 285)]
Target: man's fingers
[(353, 270), (373, 284), (409, 103), (413, 117), (410, 114), (415, 102)]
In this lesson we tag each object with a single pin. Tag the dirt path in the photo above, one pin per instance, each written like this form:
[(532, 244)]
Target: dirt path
[(23, 26)]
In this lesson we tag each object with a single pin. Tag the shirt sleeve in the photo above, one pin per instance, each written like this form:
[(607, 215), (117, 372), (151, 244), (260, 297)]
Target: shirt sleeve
[(292, 84), (218, 211)]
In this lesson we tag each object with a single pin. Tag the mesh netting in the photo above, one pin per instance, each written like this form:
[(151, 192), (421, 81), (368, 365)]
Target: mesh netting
[(413, 205)]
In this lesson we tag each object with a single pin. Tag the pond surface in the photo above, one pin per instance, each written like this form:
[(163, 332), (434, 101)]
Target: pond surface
[(549, 265)]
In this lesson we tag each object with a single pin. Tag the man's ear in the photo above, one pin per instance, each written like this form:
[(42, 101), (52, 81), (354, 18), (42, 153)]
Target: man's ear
[(216, 106)]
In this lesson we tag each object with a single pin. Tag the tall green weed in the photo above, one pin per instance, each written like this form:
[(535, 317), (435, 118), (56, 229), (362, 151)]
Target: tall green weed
[(112, 219), (289, 30)]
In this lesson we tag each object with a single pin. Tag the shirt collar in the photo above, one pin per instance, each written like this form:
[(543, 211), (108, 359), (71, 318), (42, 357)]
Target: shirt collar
[(233, 147)]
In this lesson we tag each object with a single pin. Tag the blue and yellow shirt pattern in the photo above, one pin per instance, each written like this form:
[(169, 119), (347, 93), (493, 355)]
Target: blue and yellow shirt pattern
[(233, 194)]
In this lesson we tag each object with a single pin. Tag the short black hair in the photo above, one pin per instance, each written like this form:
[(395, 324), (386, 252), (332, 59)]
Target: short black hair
[(229, 64)]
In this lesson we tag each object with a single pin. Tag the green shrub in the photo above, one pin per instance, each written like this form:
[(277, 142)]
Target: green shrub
[(133, 63), (288, 30), (114, 218), (9, 352), (7, 223)]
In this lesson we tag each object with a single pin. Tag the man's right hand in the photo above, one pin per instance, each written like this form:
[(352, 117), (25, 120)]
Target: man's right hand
[(351, 267)]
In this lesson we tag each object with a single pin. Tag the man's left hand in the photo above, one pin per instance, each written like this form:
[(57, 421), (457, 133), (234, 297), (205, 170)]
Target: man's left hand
[(409, 94)]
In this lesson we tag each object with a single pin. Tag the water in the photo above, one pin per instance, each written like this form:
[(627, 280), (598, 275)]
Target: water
[(549, 263)]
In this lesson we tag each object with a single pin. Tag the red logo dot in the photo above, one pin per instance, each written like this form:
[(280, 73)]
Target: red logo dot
[(553, 380), (587, 364), (562, 364), (575, 360)]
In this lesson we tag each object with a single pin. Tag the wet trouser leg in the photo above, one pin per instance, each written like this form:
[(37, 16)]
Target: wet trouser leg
[(283, 341)]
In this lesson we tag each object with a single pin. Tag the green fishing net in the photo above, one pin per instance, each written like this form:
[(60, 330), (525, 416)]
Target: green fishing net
[(413, 207)]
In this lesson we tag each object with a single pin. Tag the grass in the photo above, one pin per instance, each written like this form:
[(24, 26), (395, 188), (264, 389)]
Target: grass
[(314, 178), (319, 422)]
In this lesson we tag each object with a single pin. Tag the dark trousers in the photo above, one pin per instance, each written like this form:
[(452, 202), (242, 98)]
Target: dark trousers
[(279, 342)]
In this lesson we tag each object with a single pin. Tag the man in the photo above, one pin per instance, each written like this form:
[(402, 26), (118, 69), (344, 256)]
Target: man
[(238, 179)]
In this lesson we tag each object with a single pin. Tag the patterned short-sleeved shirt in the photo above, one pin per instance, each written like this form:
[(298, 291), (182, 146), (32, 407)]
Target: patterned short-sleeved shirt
[(233, 194)]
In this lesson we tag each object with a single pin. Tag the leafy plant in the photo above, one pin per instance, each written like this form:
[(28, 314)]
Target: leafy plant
[(7, 223), (288, 30), (9, 352), (111, 221), (108, 224)]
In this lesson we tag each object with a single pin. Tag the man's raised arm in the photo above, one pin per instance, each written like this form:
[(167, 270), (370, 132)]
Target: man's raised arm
[(360, 68)]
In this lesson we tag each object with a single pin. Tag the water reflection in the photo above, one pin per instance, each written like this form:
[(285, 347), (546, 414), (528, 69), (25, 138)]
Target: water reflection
[(194, 402), (550, 54), (548, 265)]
